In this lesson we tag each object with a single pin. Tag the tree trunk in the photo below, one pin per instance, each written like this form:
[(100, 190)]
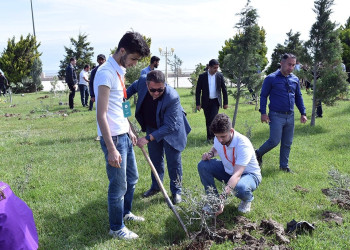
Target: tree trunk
[(237, 102), (313, 114)]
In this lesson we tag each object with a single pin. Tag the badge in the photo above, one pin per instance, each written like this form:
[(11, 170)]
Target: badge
[(126, 109)]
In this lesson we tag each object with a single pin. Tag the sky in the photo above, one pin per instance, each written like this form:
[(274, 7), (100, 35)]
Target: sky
[(196, 29)]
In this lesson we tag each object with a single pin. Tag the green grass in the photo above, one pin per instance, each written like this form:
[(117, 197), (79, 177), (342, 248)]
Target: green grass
[(52, 162)]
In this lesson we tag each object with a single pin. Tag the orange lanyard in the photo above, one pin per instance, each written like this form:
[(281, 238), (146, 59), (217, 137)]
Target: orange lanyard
[(123, 85), (233, 155)]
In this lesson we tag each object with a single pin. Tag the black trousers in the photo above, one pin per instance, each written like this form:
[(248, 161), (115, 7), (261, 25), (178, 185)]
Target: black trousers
[(71, 96), (210, 111)]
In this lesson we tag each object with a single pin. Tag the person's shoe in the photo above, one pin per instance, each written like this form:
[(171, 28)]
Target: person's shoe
[(150, 193), (97, 138), (131, 217), (176, 199), (244, 206), (259, 158), (123, 234), (287, 170)]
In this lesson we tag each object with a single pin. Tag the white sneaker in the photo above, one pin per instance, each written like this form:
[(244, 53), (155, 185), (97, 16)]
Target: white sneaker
[(123, 234), (97, 138), (244, 206), (131, 217)]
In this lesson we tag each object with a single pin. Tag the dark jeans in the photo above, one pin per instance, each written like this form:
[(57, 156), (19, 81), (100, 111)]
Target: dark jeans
[(84, 94), (91, 105), (173, 157), (210, 112), (71, 96), (319, 111)]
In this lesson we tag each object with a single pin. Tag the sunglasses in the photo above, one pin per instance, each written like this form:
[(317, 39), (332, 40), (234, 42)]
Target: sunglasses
[(160, 90)]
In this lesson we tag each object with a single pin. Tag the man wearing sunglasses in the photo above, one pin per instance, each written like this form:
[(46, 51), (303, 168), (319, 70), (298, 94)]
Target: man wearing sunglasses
[(161, 116)]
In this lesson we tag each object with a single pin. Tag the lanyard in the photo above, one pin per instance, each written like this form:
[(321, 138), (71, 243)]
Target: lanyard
[(123, 85), (233, 155)]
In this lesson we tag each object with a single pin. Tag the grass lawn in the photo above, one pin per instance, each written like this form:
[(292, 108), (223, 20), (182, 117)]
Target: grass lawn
[(51, 161)]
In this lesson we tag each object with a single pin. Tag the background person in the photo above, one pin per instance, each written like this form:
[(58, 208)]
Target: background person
[(101, 59), (161, 116), (117, 138), (84, 85), (283, 89), (210, 84), (71, 80), (238, 167), (3, 83), (153, 65)]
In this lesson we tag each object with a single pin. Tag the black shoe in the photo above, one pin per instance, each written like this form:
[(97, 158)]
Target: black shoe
[(259, 158), (176, 199), (287, 170), (150, 193)]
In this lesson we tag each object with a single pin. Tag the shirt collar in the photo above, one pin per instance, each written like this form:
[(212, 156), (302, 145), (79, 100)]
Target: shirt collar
[(120, 69)]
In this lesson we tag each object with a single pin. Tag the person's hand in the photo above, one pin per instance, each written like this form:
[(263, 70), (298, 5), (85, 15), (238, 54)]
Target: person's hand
[(199, 107), (225, 106), (141, 142), (92, 99), (133, 138), (221, 206), (114, 158), (207, 156), (265, 118), (303, 119)]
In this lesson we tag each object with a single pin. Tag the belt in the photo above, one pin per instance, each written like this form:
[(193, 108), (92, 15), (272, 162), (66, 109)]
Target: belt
[(283, 112)]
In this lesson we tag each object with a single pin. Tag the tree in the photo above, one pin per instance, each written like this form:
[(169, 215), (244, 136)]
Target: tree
[(344, 35), (175, 67), (291, 45), (81, 50), (325, 50), (35, 73), (245, 55), (17, 62)]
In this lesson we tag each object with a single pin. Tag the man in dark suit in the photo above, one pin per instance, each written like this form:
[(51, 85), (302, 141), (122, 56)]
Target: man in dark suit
[(101, 59), (210, 85), (161, 116), (71, 80)]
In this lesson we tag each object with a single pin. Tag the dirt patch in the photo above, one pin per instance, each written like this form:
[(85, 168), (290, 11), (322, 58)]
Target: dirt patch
[(43, 97), (11, 115), (338, 196), (242, 235), (329, 216), (300, 189)]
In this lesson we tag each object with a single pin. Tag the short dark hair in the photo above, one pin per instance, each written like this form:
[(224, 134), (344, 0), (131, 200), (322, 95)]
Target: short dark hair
[(72, 59), (285, 56), (101, 56), (221, 124), (133, 42), (86, 66), (155, 76), (154, 59), (213, 62)]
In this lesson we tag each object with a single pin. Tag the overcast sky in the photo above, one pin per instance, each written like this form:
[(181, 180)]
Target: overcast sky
[(196, 29)]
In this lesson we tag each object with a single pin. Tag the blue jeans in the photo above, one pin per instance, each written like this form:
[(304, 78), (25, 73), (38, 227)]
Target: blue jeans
[(208, 170), (122, 181), (84, 94), (156, 152), (281, 130)]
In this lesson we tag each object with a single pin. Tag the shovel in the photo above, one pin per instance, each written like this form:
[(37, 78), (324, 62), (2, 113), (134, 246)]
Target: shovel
[(160, 184)]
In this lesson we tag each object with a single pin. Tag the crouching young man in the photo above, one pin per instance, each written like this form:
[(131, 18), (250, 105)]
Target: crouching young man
[(238, 167)]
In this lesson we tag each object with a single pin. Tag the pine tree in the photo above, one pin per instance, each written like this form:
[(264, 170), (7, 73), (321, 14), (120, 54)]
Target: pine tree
[(325, 50), (243, 57), (345, 40), (17, 61), (81, 50)]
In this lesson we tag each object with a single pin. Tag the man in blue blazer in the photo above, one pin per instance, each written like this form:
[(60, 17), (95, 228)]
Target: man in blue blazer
[(161, 116)]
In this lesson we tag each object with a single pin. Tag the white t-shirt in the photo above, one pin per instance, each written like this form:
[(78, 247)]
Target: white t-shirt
[(244, 155), (107, 75), (212, 86), (83, 74)]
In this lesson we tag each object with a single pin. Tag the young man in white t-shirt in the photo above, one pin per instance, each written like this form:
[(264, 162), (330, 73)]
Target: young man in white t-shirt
[(238, 167), (117, 139), (84, 85)]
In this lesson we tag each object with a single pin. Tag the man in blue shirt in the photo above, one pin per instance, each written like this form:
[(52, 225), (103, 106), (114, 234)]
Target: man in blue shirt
[(284, 90), (154, 64)]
